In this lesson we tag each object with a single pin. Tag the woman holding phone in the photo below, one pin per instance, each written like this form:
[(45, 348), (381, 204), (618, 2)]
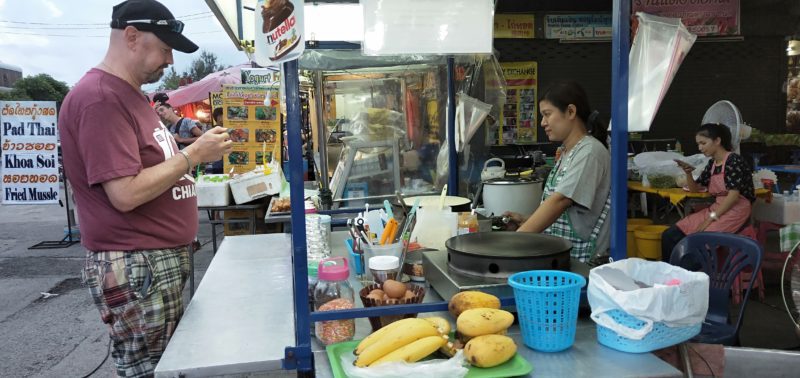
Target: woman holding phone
[(727, 178)]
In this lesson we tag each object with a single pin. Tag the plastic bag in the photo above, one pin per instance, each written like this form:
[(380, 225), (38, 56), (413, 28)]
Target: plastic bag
[(658, 49), (454, 367), (661, 171), (470, 114), (681, 305)]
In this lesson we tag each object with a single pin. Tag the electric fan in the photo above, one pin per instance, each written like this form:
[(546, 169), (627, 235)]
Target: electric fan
[(726, 113)]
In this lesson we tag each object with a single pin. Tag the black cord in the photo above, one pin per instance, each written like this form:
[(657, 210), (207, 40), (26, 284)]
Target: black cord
[(702, 358), (108, 352)]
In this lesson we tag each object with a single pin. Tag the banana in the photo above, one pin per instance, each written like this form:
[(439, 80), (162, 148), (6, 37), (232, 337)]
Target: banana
[(375, 336), (466, 300), (396, 338), (483, 321), (441, 323), (489, 350), (415, 351)]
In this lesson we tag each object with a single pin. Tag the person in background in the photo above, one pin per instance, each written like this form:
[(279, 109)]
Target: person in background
[(132, 184), (727, 178), (160, 98), (576, 199), (216, 167), (184, 130)]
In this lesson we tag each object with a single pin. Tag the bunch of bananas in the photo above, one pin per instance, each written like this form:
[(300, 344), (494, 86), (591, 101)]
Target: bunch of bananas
[(408, 340)]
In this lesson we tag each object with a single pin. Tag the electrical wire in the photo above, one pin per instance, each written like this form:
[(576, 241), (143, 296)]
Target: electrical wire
[(108, 352), (702, 358), (783, 277), (182, 17), (94, 36)]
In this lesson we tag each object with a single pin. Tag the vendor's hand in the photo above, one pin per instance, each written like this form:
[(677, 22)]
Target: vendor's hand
[(210, 146), (686, 167), (515, 218)]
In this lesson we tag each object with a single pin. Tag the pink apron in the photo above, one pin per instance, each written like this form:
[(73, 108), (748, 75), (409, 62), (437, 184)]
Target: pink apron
[(730, 222)]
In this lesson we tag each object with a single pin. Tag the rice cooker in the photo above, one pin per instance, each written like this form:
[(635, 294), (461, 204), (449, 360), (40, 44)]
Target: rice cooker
[(519, 195)]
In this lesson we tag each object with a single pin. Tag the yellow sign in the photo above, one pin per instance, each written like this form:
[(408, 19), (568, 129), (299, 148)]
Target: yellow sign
[(256, 128), (513, 26), (518, 123)]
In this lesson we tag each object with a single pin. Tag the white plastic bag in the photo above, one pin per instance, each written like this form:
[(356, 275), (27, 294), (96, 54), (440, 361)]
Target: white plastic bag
[(683, 305), (454, 367), (659, 163)]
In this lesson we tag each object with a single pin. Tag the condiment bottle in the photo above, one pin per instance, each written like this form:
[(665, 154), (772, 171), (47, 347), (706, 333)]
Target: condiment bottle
[(333, 292), (467, 223)]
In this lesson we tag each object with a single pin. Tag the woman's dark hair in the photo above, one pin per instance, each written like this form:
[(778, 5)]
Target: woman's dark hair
[(562, 94), (717, 130)]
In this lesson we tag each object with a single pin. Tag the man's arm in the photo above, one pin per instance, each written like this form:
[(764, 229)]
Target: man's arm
[(130, 192)]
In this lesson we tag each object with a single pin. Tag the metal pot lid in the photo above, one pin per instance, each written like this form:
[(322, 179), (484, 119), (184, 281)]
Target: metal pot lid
[(507, 245), (512, 181)]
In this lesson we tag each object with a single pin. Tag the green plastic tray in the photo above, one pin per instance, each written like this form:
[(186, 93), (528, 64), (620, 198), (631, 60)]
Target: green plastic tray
[(514, 367)]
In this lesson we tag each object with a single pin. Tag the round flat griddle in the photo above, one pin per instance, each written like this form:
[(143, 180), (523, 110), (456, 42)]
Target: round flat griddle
[(500, 254)]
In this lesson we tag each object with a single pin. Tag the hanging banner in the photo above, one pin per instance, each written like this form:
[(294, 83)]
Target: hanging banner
[(577, 26), (261, 76), (279, 28), (513, 26), (518, 122), (701, 17), (30, 153), (255, 126)]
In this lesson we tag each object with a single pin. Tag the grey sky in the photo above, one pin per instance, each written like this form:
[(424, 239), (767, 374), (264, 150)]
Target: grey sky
[(45, 49)]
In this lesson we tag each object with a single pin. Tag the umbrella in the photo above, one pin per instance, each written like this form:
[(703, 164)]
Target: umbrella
[(199, 90)]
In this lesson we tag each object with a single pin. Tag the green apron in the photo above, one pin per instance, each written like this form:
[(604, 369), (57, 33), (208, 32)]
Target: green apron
[(582, 250)]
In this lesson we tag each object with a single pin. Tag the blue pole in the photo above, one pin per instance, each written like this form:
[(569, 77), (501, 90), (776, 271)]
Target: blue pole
[(620, 48), (305, 362), (452, 182)]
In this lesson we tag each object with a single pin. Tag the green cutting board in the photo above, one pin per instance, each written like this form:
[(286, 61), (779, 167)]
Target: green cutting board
[(514, 367)]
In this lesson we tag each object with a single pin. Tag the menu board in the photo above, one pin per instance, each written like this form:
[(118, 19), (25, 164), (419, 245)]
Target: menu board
[(702, 18), (255, 126), (30, 154), (518, 121)]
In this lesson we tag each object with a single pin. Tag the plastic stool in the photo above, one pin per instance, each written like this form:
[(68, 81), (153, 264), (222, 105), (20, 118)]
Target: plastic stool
[(745, 276)]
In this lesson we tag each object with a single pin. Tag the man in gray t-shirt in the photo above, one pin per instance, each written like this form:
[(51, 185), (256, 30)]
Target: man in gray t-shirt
[(184, 130)]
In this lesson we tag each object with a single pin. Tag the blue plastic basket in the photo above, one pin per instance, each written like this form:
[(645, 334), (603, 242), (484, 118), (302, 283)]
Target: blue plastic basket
[(547, 307), (356, 260), (660, 337)]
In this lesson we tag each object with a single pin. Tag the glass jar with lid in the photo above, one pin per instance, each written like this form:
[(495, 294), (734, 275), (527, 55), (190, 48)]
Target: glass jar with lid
[(334, 292)]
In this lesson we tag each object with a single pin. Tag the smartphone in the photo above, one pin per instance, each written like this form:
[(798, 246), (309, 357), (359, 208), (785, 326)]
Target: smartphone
[(683, 164)]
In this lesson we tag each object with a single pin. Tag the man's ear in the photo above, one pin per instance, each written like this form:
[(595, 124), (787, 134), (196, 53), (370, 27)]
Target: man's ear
[(132, 37)]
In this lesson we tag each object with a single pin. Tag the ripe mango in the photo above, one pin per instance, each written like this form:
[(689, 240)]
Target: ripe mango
[(467, 300), (489, 350), (483, 321)]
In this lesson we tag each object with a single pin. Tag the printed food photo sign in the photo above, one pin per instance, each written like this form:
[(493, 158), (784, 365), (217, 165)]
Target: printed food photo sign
[(30, 152), (279, 28)]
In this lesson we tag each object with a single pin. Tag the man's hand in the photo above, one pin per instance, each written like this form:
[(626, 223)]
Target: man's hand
[(210, 146)]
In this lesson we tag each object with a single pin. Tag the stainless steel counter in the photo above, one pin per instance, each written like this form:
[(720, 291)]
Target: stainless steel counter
[(230, 325), (241, 317)]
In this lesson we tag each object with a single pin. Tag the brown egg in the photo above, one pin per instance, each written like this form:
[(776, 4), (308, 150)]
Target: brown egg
[(409, 295), (377, 292), (394, 289), (385, 297), (376, 297)]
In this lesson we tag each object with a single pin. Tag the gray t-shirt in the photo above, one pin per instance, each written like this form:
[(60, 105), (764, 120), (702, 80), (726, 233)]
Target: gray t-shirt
[(588, 183), (184, 129)]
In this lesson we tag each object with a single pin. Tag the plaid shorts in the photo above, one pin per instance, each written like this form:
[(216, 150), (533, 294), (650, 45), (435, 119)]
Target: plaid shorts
[(139, 295)]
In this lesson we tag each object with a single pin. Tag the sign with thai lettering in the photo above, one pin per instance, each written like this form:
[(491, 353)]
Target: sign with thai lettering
[(30, 152), (701, 17), (513, 26), (578, 26)]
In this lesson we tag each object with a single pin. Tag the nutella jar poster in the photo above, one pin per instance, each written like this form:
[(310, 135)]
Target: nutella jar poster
[(279, 28)]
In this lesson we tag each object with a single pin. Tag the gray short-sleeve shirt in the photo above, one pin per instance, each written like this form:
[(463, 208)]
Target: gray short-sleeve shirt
[(587, 182)]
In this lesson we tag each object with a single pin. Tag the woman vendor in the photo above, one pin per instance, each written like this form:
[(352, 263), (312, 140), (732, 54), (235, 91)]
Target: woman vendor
[(727, 178), (576, 199)]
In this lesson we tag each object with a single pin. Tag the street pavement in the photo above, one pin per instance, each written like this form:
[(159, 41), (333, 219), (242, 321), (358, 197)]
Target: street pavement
[(59, 336)]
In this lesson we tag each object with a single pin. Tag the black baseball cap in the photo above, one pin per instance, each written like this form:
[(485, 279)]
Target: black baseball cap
[(152, 16)]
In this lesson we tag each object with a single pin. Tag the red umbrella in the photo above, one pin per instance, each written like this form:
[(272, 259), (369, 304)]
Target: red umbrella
[(199, 90)]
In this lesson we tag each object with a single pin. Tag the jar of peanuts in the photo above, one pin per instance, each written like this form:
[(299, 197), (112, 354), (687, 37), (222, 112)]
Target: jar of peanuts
[(333, 292)]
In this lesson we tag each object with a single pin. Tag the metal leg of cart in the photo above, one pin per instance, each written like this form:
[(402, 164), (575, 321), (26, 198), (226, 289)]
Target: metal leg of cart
[(686, 362)]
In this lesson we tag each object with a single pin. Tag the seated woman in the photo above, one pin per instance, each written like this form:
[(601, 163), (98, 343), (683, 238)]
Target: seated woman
[(727, 178)]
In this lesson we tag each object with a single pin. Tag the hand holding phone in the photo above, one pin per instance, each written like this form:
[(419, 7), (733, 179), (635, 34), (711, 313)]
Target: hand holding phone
[(688, 168)]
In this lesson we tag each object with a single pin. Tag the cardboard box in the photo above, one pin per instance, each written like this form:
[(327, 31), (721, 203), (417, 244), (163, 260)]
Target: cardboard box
[(233, 229), (254, 185)]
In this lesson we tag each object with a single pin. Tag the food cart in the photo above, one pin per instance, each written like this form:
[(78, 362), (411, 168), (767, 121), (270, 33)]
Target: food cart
[(264, 315)]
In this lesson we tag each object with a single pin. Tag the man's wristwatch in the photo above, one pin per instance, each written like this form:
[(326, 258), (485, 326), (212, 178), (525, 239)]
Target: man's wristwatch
[(713, 216)]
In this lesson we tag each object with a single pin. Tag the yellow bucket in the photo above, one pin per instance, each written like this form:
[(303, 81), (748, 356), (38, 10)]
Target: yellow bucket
[(633, 224), (648, 241)]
